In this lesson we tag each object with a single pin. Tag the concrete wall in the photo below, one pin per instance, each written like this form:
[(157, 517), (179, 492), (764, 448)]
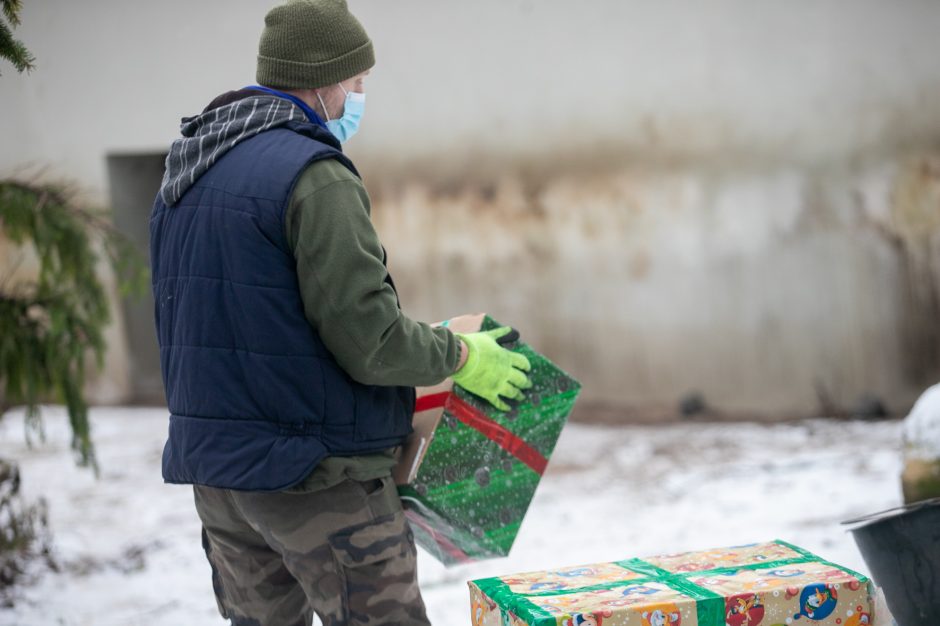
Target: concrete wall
[(664, 197), (770, 292)]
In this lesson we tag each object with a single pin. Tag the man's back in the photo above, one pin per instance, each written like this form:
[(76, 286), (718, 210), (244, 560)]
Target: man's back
[(243, 368)]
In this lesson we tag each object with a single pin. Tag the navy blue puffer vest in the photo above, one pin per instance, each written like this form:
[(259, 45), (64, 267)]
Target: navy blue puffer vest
[(256, 400)]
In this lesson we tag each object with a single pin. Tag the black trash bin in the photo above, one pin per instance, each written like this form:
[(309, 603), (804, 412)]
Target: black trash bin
[(902, 549)]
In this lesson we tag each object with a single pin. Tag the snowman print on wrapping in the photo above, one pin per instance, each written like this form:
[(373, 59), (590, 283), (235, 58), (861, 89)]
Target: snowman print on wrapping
[(817, 602)]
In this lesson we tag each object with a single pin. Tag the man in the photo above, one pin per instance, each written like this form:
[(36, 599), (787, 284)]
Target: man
[(288, 365)]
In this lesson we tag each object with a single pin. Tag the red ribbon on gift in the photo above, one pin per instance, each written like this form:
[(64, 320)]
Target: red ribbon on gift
[(431, 401), (477, 420)]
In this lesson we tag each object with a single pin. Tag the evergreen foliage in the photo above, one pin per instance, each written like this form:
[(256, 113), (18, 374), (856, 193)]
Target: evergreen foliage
[(24, 533), (49, 325), (11, 49)]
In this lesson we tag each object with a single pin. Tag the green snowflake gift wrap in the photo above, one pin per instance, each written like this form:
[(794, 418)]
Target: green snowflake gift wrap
[(469, 471), (762, 584)]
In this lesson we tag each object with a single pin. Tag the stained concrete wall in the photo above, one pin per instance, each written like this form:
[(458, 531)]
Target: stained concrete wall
[(665, 197), (771, 292)]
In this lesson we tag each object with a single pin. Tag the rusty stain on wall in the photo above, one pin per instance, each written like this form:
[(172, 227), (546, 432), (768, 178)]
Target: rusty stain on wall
[(752, 287), (916, 221)]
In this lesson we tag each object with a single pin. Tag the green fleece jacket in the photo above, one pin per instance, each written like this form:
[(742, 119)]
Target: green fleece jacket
[(341, 275)]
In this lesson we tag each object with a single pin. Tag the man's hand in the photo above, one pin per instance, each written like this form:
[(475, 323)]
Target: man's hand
[(491, 371)]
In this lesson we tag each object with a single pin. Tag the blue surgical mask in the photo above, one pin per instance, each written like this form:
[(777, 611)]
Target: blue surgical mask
[(346, 126)]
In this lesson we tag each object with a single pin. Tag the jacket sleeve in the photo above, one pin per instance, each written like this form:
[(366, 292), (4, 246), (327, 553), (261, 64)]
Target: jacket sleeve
[(344, 287)]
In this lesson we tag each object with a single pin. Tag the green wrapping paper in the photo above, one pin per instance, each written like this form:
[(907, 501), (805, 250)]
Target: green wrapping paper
[(469, 472), (769, 584)]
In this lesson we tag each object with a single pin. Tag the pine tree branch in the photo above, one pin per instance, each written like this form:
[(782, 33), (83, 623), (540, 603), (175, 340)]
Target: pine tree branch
[(6, 40), (47, 329), (11, 9), (14, 51), (49, 326)]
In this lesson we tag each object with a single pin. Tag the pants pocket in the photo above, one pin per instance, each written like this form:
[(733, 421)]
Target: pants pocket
[(377, 563), (368, 544)]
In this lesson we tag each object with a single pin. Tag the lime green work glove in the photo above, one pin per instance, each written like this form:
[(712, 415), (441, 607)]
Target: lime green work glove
[(491, 370)]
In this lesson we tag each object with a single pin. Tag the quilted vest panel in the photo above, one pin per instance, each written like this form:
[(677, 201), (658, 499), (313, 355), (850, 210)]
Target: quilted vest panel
[(256, 400)]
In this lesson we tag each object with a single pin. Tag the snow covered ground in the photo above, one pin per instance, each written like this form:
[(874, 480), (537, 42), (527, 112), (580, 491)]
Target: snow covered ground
[(130, 552)]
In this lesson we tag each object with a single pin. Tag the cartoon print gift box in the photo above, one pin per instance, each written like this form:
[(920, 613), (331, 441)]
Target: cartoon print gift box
[(765, 584), (468, 473)]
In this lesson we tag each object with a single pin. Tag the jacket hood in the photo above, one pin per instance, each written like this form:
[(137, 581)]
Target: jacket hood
[(228, 120)]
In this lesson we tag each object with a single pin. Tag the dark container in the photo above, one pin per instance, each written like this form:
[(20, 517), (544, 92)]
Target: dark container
[(902, 549)]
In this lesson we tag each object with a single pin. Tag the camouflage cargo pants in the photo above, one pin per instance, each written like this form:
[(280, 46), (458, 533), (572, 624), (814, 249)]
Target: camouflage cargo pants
[(345, 553)]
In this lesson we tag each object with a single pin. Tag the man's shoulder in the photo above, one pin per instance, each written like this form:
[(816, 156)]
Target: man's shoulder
[(323, 173), (328, 170)]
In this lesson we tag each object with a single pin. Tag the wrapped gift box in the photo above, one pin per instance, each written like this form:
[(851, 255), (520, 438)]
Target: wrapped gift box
[(766, 584), (469, 471)]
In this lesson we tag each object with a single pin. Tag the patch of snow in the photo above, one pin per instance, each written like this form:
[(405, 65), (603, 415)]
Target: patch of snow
[(922, 427), (131, 553)]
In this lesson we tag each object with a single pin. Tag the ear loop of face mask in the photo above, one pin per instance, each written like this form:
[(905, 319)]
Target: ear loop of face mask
[(347, 125), (323, 104)]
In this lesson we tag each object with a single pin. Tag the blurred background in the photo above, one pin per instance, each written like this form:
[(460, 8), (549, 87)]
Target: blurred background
[(720, 204), (710, 209)]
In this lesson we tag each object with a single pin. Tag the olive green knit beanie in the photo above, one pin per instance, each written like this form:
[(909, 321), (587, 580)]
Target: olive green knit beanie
[(312, 43)]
